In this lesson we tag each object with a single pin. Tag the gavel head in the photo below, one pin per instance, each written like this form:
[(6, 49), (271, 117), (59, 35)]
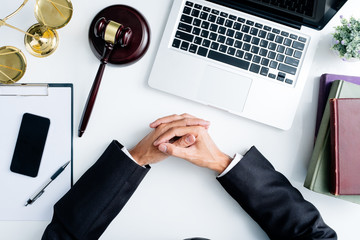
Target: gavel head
[(112, 32)]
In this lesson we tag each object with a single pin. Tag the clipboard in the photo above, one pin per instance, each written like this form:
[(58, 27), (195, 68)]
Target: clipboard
[(54, 101)]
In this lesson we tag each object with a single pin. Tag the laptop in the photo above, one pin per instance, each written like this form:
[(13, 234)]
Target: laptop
[(248, 57)]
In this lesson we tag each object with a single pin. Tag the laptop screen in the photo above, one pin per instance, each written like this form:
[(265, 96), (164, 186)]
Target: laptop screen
[(295, 13)]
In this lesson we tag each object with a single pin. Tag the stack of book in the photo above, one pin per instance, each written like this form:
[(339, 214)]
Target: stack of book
[(334, 167)]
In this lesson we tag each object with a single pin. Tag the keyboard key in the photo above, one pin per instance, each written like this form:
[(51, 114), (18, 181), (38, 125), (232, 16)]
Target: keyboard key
[(265, 62), (187, 10), (206, 43), (271, 75), (288, 81), (248, 56), (214, 45), (221, 39), (289, 51), (213, 36), (198, 6), (238, 35), (189, 3), (231, 51), (271, 55), (245, 28), (220, 20), (281, 74), (279, 39), (204, 15), (186, 19), (267, 28), (232, 17), (184, 46), (273, 64), (239, 53), (206, 9), (263, 52), (184, 36), (230, 33), (202, 51), (198, 40), (223, 48), (229, 41), (225, 15), (255, 49), (196, 31), (229, 23), (272, 46), (286, 68), (238, 44), (256, 59), (264, 71), (222, 30), (292, 61), (270, 37), (216, 12), (262, 34), (287, 42), (285, 34), (197, 22), (264, 43), (237, 26), (213, 27), (280, 78), (293, 36), (242, 20), (251, 23), (255, 40), (205, 25), (280, 58), (297, 54), (204, 33), (258, 25), (280, 49), (195, 13), (302, 39), (193, 48), (185, 27), (298, 45), (254, 31), (212, 18), (176, 43), (229, 60), (254, 68), (275, 30), (246, 47), (247, 38)]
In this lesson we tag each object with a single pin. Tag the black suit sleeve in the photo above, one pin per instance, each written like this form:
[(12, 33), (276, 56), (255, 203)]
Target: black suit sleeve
[(269, 198), (86, 210)]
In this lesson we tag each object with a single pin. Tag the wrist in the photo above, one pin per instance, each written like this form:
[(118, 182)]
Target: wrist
[(137, 157), (222, 162)]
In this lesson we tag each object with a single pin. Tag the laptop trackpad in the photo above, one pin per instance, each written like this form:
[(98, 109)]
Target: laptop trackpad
[(224, 89)]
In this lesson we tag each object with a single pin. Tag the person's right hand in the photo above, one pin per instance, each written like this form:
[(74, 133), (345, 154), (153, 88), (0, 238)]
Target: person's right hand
[(203, 152)]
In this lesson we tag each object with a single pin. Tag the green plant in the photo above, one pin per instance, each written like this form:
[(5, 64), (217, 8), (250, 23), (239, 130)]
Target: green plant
[(347, 38)]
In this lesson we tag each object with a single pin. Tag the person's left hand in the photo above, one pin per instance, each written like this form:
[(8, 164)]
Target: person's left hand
[(146, 153)]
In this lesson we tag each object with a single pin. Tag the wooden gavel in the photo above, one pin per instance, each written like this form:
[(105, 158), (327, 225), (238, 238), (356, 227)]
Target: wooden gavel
[(112, 33)]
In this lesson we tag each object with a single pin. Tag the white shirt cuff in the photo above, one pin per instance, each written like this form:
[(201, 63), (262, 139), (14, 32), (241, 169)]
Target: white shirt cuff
[(235, 161)]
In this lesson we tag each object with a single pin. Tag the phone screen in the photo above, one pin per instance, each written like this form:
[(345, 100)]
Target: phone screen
[(30, 145)]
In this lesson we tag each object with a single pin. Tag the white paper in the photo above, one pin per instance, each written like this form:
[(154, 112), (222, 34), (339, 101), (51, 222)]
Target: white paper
[(15, 188)]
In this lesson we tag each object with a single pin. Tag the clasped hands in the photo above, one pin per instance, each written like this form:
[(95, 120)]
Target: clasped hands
[(182, 136)]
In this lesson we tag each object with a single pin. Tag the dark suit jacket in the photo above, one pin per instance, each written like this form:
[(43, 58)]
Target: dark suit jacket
[(266, 195)]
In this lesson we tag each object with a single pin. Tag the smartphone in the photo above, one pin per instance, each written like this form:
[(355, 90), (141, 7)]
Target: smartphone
[(30, 145)]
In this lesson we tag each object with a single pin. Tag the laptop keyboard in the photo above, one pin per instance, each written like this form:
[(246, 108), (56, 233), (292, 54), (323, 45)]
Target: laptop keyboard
[(240, 42)]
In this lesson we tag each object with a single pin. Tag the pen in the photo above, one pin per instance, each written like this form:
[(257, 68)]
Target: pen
[(34, 197)]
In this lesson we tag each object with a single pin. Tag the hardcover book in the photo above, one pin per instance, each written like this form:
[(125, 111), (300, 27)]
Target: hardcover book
[(318, 175), (345, 142), (324, 88)]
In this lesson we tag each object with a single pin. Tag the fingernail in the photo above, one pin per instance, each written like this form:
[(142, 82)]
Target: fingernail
[(190, 139), (163, 148), (156, 142)]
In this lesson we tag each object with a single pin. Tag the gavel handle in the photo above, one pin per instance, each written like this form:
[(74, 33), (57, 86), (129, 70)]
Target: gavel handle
[(91, 99)]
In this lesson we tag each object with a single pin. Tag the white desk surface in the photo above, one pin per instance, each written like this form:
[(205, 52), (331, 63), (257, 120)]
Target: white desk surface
[(176, 199)]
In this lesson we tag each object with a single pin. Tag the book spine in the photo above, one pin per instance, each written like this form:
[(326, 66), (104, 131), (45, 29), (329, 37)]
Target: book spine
[(321, 140), (334, 166)]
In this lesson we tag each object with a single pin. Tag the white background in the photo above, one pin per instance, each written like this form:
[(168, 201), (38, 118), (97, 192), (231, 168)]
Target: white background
[(175, 200)]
